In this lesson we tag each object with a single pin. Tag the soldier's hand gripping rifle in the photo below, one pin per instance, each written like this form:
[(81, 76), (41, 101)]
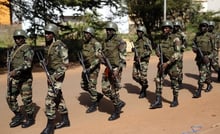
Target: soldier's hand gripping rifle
[(43, 65), (136, 57), (81, 60), (109, 66), (9, 80)]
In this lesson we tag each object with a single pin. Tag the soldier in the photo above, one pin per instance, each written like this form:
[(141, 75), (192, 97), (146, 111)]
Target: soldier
[(142, 49), (214, 61), (177, 29), (56, 54), (169, 53), (114, 50), (90, 52), (20, 75), (203, 47)]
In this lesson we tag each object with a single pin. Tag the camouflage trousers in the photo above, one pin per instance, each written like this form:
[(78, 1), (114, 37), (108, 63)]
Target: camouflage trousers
[(23, 88), (214, 61), (139, 73), (109, 87), (204, 73), (173, 72), (180, 66), (55, 102), (90, 86)]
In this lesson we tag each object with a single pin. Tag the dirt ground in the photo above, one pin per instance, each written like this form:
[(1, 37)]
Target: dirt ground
[(192, 116)]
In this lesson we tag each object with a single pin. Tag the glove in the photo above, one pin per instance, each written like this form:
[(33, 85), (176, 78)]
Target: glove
[(132, 49), (206, 60)]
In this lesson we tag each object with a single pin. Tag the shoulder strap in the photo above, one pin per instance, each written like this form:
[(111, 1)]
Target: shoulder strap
[(17, 50)]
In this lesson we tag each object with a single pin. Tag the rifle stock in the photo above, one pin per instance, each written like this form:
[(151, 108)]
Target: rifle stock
[(81, 60)]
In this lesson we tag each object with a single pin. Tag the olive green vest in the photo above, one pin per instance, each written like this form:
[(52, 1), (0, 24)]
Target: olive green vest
[(141, 45), (88, 52), (204, 42), (168, 46), (52, 52), (111, 50)]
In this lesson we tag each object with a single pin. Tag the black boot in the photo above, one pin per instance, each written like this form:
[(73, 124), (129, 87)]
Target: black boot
[(94, 105), (49, 128), (64, 121), (116, 114), (197, 94), (143, 91), (29, 121), (209, 88), (157, 103), (175, 102), (17, 119)]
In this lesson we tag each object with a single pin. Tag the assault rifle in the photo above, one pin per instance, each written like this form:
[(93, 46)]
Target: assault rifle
[(9, 80), (109, 66), (43, 65), (81, 60), (135, 56)]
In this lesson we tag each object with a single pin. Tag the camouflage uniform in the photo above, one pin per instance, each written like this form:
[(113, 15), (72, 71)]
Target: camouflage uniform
[(203, 41), (114, 48), (56, 54), (90, 52), (177, 30), (143, 50), (169, 48), (21, 57), (214, 61)]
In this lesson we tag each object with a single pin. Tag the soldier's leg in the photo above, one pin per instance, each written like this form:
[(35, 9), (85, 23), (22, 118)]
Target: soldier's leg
[(215, 66), (95, 96), (50, 111), (11, 98), (26, 95), (159, 85), (208, 79), (174, 77), (136, 74), (144, 82)]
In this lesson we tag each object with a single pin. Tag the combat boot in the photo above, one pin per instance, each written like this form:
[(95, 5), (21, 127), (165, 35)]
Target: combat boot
[(197, 94), (49, 128), (64, 121), (143, 92), (29, 121), (175, 102), (157, 103), (209, 88), (116, 114), (16, 120), (94, 105)]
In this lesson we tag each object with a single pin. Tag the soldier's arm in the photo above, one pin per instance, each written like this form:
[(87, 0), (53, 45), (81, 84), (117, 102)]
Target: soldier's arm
[(177, 55), (122, 53), (96, 61), (148, 48)]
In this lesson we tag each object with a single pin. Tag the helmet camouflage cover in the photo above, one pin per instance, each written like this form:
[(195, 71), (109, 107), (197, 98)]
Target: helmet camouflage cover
[(20, 32), (52, 28), (112, 25)]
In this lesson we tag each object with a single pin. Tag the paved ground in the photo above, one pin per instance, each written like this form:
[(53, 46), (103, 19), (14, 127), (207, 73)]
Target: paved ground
[(192, 116)]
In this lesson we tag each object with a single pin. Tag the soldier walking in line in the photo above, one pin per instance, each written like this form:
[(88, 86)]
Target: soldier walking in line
[(214, 61), (56, 54), (113, 56), (142, 51), (168, 50), (203, 47), (177, 29), (91, 61), (20, 80)]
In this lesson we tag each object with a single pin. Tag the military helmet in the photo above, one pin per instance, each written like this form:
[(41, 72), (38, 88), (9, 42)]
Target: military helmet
[(167, 23), (177, 23), (20, 32), (112, 25), (52, 28), (142, 29), (204, 22), (90, 30), (212, 23)]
